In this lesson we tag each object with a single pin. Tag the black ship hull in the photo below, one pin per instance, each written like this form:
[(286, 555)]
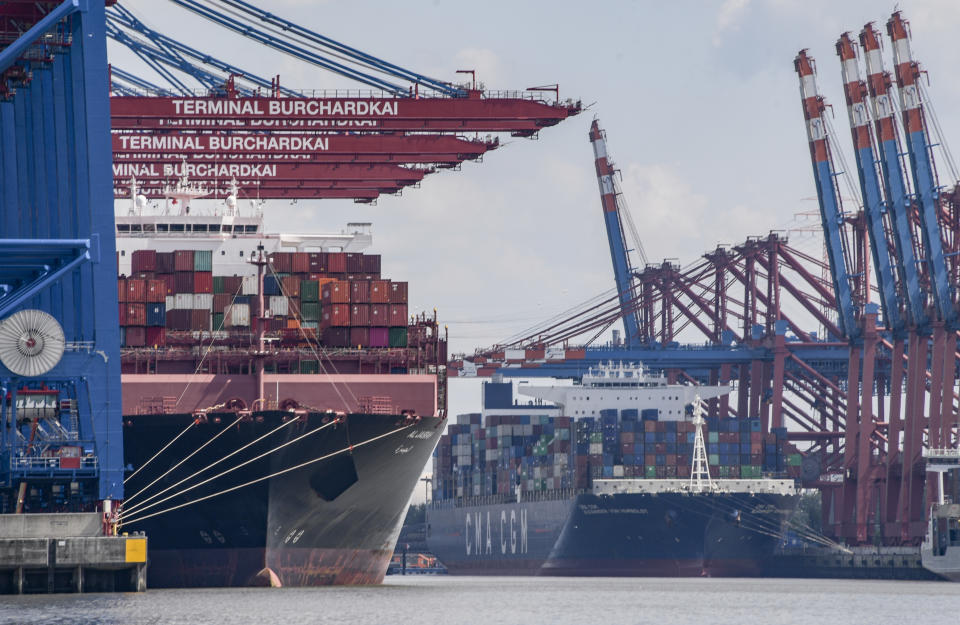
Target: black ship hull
[(318, 501), (639, 534)]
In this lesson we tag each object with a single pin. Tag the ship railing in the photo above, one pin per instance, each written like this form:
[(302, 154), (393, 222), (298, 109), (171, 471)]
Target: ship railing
[(35, 463), (486, 500)]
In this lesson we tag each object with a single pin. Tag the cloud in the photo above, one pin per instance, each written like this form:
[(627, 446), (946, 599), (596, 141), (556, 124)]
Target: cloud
[(728, 18), (483, 60)]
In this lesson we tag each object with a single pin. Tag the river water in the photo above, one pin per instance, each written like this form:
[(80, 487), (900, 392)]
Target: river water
[(511, 600)]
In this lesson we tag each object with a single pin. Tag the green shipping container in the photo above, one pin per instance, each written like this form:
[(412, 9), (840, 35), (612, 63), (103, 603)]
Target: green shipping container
[(398, 337), (217, 321), (713, 459), (310, 311), (218, 284), (794, 460), (650, 471), (309, 366), (309, 291), (203, 260)]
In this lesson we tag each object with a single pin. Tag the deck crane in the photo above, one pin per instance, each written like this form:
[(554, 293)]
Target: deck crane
[(839, 247), (614, 215)]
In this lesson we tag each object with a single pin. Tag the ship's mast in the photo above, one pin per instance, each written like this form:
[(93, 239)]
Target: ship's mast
[(260, 261), (700, 472)]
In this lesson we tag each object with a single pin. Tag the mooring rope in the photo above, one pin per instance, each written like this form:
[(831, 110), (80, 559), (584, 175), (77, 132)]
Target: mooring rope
[(127, 500), (153, 457), (266, 477), (142, 507), (213, 464)]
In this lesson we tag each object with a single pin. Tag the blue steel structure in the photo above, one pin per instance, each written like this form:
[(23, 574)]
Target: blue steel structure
[(353, 63), (613, 220), (57, 254)]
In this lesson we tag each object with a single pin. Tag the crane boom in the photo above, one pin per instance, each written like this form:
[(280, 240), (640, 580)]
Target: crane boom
[(895, 184), (924, 177), (873, 202), (622, 272), (830, 208)]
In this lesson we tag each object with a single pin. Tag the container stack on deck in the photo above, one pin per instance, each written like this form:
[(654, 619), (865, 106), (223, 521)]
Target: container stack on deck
[(543, 453), (336, 298)]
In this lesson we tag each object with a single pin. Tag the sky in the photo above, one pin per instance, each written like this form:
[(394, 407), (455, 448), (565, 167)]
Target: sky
[(699, 100)]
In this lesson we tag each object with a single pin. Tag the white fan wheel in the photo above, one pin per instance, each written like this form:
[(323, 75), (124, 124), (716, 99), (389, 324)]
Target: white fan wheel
[(31, 342)]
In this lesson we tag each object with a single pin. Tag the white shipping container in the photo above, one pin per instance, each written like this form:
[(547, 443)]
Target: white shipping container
[(240, 315), (249, 285), (279, 306), (596, 449), (203, 301), (618, 470), (184, 301), (171, 302)]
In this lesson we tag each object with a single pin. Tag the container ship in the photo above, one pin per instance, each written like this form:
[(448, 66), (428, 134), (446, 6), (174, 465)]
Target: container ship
[(279, 400), (580, 480)]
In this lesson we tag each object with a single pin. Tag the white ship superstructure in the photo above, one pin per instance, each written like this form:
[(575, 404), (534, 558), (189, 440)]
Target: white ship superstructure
[(220, 227), (623, 386)]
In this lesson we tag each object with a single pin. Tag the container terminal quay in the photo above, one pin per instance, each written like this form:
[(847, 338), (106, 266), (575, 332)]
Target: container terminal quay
[(190, 399)]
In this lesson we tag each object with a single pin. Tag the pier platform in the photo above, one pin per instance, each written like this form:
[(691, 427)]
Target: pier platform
[(66, 552)]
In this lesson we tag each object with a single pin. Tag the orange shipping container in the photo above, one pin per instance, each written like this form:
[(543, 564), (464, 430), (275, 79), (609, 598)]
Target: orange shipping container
[(291, 286), (203, 282), (335, 292), (336, 315), (121, 291), (360, 292), (136, 315)]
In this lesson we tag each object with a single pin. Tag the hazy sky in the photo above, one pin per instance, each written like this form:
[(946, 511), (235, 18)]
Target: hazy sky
[(699, 99)]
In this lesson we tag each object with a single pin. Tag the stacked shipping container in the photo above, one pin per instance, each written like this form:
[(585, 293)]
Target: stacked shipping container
[(542, 453), (337, 298)]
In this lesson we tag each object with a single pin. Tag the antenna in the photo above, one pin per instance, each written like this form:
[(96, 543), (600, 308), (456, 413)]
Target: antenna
[(700, 473)]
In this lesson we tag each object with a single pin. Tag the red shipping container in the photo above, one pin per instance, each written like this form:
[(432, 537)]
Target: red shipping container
[(317, 262), (123, 313), (335, 292), (360, 292), (398, 315), (179, 320), (183, 282), (121, 290), (183, 261), (301, 262), (379, 315), (199, 319), (291, 286), (136, 315), (336, 315), (169, 281), (360, 315), (136, 290), (336, 262), (359, 337), (221, 301), (336, 337), (136, 337), (143, 260), (398, 293), (156, 291), (282, 262), (203, 282), (166, 262), (370, 263), (378, 292), (156, 337), (232, 284)]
